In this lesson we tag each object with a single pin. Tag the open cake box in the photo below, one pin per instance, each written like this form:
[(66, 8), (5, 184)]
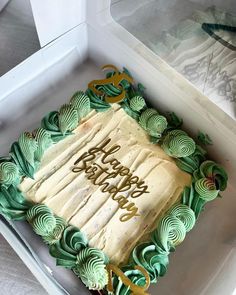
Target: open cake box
[(79, 38)]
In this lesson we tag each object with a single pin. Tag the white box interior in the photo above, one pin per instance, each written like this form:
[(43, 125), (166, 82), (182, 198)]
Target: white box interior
[(206, 261)]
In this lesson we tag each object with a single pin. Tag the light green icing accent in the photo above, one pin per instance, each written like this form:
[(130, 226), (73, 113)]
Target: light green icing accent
[(145, 115), (177, 144), (80, 101), (185, 214), (28, 146), (66, 249), (55, 235), (156, 125), (137, 103), (13, 204), (44, 141), (206, 189), (91, 268), (68, 118), (171, 232), (9, 174), (41, 219)]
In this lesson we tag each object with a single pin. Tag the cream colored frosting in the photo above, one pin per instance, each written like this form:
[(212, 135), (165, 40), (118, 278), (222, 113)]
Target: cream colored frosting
[(73, 196)]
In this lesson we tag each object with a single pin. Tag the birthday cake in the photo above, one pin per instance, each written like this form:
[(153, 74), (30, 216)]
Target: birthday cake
[(110, 184)]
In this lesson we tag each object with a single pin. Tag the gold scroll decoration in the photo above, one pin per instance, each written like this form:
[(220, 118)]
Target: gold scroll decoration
[(115, 80), (136, 290)]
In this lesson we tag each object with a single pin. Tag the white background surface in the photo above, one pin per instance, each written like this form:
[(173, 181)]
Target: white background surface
[(18, 40), (195, 262)]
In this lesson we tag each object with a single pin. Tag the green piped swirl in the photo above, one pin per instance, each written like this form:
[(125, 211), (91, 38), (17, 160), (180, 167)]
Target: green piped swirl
[(191, 163), (68, 118), (13, 205), (185, 214), (156, 125), (41, 219), (178, 144), (145, 116), (9, 174), (91, 268), (55, 235), (147, 256), (172, 228), (51, 123), (23, 154), (96, 102), (44, 141), (80, 101), (153, 123), (134, 275), (214, 172), (206, 189), (66, 249), (137, 103)]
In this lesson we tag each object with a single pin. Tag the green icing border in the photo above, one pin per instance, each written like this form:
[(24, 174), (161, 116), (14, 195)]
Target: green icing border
[(66, 243)]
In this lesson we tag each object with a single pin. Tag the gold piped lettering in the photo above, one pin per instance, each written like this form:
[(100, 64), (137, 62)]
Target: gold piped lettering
[(101, 175)]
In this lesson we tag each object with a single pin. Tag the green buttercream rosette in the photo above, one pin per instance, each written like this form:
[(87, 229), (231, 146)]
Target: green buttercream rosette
[(137, 103), (209, 180), (9, 174), (172, 228), (153, 123), (66, 249), (178, 144), (91, 268), (45, 224)]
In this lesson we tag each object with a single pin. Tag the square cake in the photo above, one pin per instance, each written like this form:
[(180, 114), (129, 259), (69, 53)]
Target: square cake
[(110, 184)]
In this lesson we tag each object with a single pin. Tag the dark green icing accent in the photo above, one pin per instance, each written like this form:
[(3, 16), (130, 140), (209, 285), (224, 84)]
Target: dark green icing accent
[(174, 122), (13, 205), (51, 123), (191, 163), (24, 166), (96, 102), (192, 199), (154, 261), (204, 138), (66, 249), (134, 275)]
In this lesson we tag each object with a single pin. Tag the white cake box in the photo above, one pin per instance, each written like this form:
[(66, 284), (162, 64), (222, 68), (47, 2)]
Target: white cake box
[(81, 37)]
